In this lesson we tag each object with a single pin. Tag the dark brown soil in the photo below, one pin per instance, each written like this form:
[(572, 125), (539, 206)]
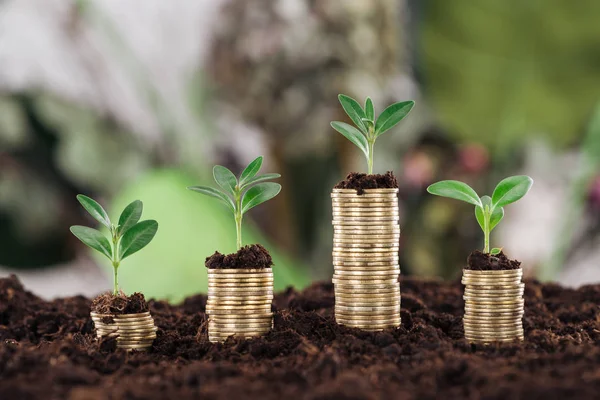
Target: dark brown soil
[(47, 351), (360, 182), (480, 261), (108, 303), (252, 256)]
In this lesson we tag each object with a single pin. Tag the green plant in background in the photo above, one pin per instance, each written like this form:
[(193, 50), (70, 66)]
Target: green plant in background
[(369, 128), (128, 237), (489, 211), (241, 194)]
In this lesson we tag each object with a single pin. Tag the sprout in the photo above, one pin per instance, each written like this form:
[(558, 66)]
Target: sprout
[(240, 195), (369, 128), (128, 237), (489, 211)]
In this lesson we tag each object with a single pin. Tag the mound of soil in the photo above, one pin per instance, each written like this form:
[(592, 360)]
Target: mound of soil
[(47, 351), (108, 303), (360, 182), (480, 261), (252, 256)]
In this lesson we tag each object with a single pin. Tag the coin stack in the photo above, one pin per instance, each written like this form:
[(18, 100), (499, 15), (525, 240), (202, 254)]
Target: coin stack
[(133, 331), (239, 303), (494, 305), (365, 258)]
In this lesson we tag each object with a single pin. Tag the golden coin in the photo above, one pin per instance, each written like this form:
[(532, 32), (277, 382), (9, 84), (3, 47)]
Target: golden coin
[(366, 291), (491, 282), (232, 279), (360, 281), (368, 297), (364, 319), (353, 209), (133, 316), (363, 246), (219, 319), (246, 331), (494, 273), (371, 327), (239, 271), (367, 265), (237, 289), (371, 249), (492, 331), (245, 286), (239, 303), (368, 257), (391, 272), (367, 309), (219, 306), (353, 196), (492, 299), (390, 303), (243, 325), (493, 323)]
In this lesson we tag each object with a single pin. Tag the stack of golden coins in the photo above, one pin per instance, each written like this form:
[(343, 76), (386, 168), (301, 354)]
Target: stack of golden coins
[(494, 305), (366, 234), (133, 331), (239, 303)]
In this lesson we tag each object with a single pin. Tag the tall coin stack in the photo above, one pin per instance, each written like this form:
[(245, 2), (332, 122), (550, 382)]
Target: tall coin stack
[(239, 303), (494, 305), (133, 331), (365, 258)]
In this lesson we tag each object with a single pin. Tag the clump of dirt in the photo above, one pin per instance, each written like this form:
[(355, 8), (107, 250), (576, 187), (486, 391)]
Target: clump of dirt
[(252, 256), (108, 303), (481, 261), (360, 182), (48, 351)]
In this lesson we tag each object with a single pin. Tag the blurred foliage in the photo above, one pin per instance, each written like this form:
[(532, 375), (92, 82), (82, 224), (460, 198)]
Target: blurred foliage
[(495, 70)]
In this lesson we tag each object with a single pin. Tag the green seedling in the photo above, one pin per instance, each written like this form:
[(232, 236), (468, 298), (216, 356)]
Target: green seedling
[(241, 194), (489, 211), (367, 129), (127, 238)]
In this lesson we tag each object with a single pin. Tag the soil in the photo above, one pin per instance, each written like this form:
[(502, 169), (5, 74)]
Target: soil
[(252, 256), (47, 351), (360, 182), (480, 261), (108, 303)]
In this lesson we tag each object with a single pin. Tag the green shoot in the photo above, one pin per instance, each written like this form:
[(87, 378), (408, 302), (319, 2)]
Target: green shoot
[(367, 129), (489, 211), (127, 238), (241, 194)]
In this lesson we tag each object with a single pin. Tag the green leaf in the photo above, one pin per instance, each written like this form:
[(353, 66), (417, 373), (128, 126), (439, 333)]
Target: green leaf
[(511, 189), (353, 135), (225, 178), (259, 194), (455, 190), (95, 210), (93, 238), (495, 251), (251, 170), (496, 216), (130, 216), (260, 178), (137, 237), (354, 111), (369, 109), (216, 194), (392, 115)]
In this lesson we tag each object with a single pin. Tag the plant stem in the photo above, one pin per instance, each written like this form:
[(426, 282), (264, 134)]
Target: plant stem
[(238, 216), (486, 229), (115, 260), (371, 142), (116, 279)]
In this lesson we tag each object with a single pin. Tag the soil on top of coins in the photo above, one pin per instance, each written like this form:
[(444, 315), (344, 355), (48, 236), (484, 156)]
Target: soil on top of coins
[(108, 303), (253, 256), (481, 261), (48, 351), (360, 182)]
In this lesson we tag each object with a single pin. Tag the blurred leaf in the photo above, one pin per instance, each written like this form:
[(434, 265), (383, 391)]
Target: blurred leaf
[(251, 170), (259, 194), (354, 111), (137, 237), (369, 109), (94, 209), (455, 190), (225, 178), (93, 238), (511, 189), (261, 178), (353, 135), (130, 216), (392, 115), (212, 192)]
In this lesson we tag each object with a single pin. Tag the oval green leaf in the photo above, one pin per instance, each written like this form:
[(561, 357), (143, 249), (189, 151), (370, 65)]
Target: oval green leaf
[(455, 190), (392, 115), (212, 192), (137, 237), (354, 111), (225, 178), (259, 194), (496, 216), (369, 109), (260, 178), (251, 170), (511, 189), (95, 210), (353, 135), (93, 238), (130, 216)]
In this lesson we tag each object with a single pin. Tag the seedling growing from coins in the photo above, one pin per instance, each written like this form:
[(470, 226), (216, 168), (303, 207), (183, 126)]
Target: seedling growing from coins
[(240, 194), (366, 127), (126, 238), (489, 211)]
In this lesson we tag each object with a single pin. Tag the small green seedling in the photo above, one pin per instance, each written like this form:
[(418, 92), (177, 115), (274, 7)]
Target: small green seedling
[(243, 193), (369, 128), (489, 211), (127, 238)]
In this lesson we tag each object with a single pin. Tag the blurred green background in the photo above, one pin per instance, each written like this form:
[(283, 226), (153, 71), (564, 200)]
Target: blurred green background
[(121, 103)]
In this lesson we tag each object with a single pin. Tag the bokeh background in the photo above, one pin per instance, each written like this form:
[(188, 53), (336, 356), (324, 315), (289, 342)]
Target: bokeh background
[(125, 100)]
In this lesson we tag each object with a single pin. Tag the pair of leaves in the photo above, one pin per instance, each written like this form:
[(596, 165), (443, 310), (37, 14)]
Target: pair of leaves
[(250, 189), (130, 234)]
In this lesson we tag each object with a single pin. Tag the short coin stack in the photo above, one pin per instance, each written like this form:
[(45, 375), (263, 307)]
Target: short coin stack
[(133, 331), (494, 305), (365, 258), (239, 303)]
